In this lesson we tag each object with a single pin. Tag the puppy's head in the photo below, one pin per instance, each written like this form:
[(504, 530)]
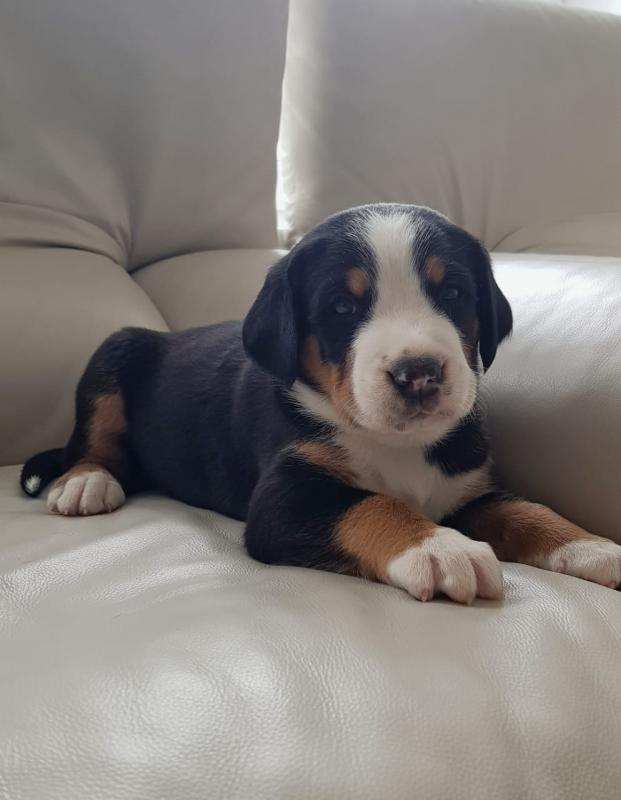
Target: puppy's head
[(377, 318)]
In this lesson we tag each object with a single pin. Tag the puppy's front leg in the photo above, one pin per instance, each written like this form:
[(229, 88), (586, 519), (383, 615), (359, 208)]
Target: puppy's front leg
[(533, 534), (304, 512)]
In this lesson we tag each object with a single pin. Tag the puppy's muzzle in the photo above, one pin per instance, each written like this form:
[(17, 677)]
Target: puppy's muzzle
[(418, 381)]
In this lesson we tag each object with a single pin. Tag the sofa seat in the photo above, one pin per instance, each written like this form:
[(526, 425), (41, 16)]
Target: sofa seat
[(145, 655)]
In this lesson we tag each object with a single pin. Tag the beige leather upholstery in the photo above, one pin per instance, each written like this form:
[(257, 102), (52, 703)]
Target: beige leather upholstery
[(554, 392), (503, 115), (207, 287), (144, 655), (153, 121)]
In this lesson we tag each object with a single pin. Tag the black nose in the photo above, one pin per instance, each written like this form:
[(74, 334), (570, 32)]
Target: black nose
[(417, 379)]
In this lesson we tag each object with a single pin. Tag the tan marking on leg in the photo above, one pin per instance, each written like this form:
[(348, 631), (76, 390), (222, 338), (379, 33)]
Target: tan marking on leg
[(522, 531), (328, 457), (107, 424), (533, 534), (435, 270), (357, 281), (334, 380), (377, 530)]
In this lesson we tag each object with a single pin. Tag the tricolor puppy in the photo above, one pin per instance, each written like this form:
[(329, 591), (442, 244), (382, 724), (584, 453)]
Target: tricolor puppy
[(340, 420)]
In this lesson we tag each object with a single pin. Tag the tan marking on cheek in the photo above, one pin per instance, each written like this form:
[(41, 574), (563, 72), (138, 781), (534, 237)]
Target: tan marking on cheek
[(357, 281), (328, 457), (332, 379), (470, 344), (379, 529), (435, 270), (522, 531)]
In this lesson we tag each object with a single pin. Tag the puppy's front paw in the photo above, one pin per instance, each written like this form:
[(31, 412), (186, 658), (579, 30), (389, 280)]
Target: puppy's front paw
[(448, 562), (597, 560), (85, 493)]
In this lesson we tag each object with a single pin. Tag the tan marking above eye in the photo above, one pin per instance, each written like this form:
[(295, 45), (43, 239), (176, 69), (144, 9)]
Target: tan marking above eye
[(435, 270), (357, 281)]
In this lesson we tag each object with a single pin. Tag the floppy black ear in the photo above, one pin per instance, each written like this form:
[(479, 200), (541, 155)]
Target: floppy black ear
[(270, 330), (493, 309)]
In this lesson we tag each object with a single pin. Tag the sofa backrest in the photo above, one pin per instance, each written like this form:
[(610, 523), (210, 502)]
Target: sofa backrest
[(140, 129), (130, 130), (506, 116)]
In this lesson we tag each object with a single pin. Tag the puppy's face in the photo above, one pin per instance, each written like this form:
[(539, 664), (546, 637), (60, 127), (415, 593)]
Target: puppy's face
[(377, 317)]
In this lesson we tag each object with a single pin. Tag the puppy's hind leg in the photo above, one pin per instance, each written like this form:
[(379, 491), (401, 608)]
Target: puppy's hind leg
[(96, 458), (91, 485)]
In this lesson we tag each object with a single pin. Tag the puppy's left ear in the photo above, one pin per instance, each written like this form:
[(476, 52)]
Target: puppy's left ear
[(270, 333), (493, 309)]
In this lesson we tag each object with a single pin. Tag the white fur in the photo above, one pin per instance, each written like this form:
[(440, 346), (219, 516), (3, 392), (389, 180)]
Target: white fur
[(398, 468), (32, 484), (314, 404), (597, 560), (95, 492), (404, 322), (448, 562)]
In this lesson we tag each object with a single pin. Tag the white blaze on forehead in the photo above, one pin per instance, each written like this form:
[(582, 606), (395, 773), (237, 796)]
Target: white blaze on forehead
[(392, 238)]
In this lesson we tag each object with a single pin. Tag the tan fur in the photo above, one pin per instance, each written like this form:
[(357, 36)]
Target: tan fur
[(522, 531), (435, 270), (106, 426), (378, 529), (328, 457), (470, 345), (103, 448), (334, 380), (357, 281)]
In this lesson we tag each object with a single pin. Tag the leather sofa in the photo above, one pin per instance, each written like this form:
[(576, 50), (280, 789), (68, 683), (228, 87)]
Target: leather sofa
[(143, 654)]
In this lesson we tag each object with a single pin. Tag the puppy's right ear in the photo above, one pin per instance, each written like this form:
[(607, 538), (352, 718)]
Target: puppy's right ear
[(270, 331)]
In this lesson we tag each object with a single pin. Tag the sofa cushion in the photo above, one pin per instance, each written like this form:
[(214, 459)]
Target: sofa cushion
[(145, 655), (503, 115), (206, 287), (56, 306), (553, 391), (153, 121)]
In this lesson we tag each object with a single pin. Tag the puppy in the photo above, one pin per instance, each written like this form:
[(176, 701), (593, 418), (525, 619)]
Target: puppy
[(340, 420)]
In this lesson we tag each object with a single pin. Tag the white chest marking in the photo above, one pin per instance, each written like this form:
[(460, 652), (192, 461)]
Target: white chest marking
[(404, 473)]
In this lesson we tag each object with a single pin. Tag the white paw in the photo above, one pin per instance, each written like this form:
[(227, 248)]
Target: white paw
[(448, 562), (597, 560), (86, 493)]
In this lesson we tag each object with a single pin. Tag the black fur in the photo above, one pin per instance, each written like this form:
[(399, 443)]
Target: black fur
[(46, 466), (465, 448), (307, 502)]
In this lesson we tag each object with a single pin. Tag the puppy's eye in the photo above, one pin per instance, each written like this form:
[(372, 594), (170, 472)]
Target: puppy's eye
[(450, 294), (344, 305)]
